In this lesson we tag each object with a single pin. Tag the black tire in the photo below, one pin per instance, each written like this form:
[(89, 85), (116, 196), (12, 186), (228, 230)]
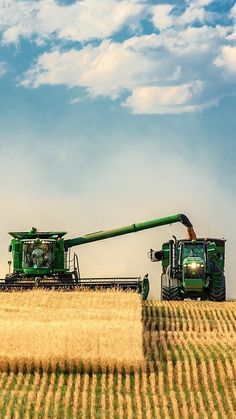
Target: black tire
[(145, 288), (66, 279), (169, 292), (218, 294), (11, 278)]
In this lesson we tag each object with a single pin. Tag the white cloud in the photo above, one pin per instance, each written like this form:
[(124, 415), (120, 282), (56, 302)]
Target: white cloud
[(179, 56), (80, 21), (166, 99), (164, 16), (193, 40), (89, 19), (161, 16), (104, 70), (182, 58), (227, 59), (232, 14), (233, 11), (192, 13)]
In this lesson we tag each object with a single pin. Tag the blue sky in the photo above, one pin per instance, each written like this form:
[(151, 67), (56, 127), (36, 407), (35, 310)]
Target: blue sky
[(113, 112)]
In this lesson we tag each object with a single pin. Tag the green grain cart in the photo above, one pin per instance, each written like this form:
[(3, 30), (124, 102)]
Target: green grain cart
[(43, 259), (192, 269)]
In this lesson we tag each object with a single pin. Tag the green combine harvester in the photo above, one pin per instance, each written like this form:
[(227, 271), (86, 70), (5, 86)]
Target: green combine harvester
[(43, 259), (192, 269)]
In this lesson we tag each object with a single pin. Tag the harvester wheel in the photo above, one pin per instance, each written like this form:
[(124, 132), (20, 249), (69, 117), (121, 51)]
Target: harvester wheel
[(218, 294), (10, 278), (145, 288)]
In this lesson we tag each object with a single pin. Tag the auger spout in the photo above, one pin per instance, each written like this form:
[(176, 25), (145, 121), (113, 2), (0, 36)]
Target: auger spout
[(132, 228)]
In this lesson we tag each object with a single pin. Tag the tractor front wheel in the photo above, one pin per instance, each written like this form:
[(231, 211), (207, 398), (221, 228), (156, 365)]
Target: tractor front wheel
[(169, 292)]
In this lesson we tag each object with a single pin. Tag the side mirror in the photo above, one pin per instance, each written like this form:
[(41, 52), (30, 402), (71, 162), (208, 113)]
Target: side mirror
[(10, 248), (156, 255)]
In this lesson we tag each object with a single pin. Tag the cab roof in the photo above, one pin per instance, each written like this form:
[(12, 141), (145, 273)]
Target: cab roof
[(35, 234)]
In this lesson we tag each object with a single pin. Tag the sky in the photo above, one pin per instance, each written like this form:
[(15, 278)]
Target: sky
[(114, 112)]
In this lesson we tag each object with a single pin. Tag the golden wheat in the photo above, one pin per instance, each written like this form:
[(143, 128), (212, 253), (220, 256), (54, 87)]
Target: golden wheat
[(103, 395), (36, 406), (85, 396), (76, 396), (13, 395), (50, 329), (129, 410), (67, 403), (111, 395), (188, 347), (31, 395)]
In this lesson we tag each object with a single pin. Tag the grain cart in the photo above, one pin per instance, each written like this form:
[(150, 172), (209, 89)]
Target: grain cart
[(192, 269), (44, 259)]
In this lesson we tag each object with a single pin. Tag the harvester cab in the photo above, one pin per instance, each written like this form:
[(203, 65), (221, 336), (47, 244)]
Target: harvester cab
[(43, 259), (36, 253), (192, 269)]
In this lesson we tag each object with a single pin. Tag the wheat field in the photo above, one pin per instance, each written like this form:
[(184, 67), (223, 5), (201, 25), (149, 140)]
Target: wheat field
[(189, 369), (45, 330)]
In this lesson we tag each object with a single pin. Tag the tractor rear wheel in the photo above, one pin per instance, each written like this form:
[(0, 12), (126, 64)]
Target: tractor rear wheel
[(218, 294)]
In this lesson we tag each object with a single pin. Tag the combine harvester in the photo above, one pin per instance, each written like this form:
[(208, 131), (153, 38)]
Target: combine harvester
[(43, 259)]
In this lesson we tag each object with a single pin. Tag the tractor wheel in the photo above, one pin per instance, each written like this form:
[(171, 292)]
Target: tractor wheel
[(218, 294), (169, 292)]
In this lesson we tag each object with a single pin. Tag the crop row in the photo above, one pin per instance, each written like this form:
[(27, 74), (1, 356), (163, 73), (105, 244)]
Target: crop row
[(189, 372)]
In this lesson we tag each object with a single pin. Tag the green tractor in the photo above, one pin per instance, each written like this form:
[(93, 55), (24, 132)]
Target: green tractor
[(192, 269), (43, 259)]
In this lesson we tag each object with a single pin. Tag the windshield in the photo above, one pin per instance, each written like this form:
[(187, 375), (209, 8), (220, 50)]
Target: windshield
[(37, 254), (193, 251)]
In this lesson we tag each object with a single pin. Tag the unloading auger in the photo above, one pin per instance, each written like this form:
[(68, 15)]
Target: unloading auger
[(43, 259)]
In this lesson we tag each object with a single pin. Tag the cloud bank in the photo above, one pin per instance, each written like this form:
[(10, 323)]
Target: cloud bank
[(186, 62)]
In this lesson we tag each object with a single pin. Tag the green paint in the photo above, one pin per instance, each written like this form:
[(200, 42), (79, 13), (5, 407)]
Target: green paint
[(132, 228), (38, 254), (194, 269)]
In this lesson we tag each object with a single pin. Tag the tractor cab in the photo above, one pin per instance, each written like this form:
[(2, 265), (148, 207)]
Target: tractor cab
[(192, 269), (193, 259)]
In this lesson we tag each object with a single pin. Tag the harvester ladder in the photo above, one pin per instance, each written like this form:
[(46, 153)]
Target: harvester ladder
[(76, 267)]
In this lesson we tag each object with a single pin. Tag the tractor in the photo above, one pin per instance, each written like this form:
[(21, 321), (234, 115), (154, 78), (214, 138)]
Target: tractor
[(192, 269)]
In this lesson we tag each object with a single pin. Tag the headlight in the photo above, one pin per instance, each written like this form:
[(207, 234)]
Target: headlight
[(193, 265)]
